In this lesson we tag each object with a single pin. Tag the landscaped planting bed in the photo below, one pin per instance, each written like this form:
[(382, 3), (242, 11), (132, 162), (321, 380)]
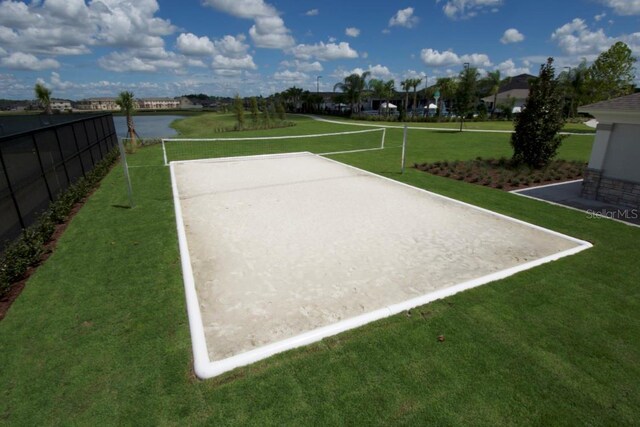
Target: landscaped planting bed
[(502, 173)]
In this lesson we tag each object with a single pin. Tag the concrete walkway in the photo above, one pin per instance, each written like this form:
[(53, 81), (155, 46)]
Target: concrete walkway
[(567, 194)]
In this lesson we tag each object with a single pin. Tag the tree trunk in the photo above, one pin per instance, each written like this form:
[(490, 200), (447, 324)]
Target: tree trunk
[(131, 132), (415, 101)]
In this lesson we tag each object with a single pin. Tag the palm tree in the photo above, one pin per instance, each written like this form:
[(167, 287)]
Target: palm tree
[(43, 94), (377, 89), (493, 82), (353, 86), (414, 84), (406, 85), (447, 86), (389, 88), (126, 102)]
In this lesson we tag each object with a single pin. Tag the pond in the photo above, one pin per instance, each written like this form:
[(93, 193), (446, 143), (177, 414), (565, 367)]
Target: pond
[(147, 126)]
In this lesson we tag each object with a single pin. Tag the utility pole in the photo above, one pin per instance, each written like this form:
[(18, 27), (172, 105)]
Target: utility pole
[(318, 84)]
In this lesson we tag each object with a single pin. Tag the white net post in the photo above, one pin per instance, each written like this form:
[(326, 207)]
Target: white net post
[(404, 148)]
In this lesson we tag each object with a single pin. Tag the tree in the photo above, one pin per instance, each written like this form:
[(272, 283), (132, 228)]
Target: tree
[(280, 111), (389, 88), (238, 110), (612, 73), (406, 85), (493, 82), (576, 83), (466, 97), (536, 140), (447, 87), (127, 104), (353, 86), (43, 94), (253, 107), (266, 118), (378, 90), (415, 83)]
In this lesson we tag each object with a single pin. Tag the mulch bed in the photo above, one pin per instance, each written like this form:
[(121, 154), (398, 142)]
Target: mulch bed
[(504, 174)]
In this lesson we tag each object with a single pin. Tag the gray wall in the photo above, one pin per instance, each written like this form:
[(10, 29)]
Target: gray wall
[(623, 154)]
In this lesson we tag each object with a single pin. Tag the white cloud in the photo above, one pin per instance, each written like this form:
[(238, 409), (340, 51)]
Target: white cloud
[(232, 46), (324, 52), (70, 27), (268, 30), (412, 74), (404, 18), (290, 76), (248, 9), (312, 12), (461, 9), (190, 44), (27, 61), (624, 7), (352, 32), (512, 36), (226, 63), (434, 58), (600, 17), (508, 68), (303, 66), (378, 71), (575, 38)]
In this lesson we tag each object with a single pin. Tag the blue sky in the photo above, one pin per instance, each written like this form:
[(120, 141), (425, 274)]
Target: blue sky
[(167, 48)]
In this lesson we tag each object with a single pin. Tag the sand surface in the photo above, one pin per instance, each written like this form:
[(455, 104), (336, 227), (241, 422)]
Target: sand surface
[(283, 245)]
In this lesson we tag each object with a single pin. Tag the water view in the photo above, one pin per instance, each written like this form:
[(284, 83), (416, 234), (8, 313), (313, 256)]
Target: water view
[(147, 126)]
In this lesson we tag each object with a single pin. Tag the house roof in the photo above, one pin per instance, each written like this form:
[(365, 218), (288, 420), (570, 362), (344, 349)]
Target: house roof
[(624, 103), (516, 82)]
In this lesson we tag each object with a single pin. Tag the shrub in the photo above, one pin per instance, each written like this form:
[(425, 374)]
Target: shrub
[(27, 250)]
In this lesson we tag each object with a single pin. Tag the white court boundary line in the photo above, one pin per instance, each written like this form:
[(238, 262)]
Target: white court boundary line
[(272, 138), (205, 368), (321, 119), (519, 191)]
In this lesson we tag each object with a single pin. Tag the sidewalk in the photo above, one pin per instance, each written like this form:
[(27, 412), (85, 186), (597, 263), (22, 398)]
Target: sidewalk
[(567, 194)]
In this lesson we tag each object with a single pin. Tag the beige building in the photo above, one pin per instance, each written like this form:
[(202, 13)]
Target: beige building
[(98, 104), (158, 103), (613, 174)]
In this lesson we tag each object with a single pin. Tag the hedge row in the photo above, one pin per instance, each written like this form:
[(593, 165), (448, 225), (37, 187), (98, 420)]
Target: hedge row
[(27, 250)]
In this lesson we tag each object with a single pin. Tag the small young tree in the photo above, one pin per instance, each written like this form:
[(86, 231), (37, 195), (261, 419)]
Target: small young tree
[(253, 106), (466, 97), (126, 102), (238, 110), (280, 111), (43, 94), (536, 140), (266, 117)]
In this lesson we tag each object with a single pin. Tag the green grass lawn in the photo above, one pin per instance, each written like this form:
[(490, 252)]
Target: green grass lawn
[(100, 334)]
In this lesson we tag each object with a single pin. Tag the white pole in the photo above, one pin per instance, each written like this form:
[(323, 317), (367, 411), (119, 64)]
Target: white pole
[(404, 146), (384, 134), (164, 153), (123, 156)]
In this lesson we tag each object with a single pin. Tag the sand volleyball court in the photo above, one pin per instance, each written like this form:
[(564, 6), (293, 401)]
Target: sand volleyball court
[(280, 251)]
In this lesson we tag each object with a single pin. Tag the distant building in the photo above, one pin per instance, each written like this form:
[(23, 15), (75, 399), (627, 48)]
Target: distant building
[(158, 103), (98, 104), (517, 88), (109, 104), (60, 104)]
